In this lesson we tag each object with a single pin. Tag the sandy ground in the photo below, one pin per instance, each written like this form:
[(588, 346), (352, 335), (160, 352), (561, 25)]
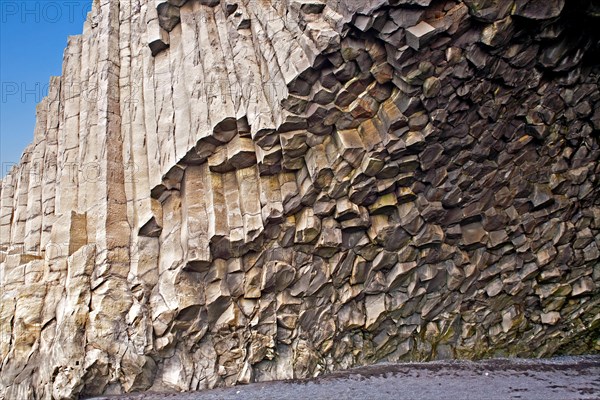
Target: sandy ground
[(564, 378)]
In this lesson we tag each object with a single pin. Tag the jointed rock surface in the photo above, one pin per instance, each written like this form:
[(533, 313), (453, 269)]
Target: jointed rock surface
[(223, 192)]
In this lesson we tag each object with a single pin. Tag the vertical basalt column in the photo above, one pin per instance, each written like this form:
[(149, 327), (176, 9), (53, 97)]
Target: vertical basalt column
[(140, 206), (89, 171), (34, 205), (248, 88), (49, 172), (148, 90), (68, 130), (21, 197), (180, 96), (112, 234), (234, 211), (215, 69), (110, 299), (248, 187), (195, 218), (192, 75), (218, 220), (165, 114), (6, 210)]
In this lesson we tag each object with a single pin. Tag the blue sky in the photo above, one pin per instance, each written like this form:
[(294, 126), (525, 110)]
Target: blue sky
[(33, 35)]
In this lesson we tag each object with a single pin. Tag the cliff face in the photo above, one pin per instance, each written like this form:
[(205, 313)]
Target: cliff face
[(221, 192)]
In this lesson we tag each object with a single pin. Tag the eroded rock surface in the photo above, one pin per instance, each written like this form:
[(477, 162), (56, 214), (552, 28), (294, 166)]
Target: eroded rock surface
[(225, 192)]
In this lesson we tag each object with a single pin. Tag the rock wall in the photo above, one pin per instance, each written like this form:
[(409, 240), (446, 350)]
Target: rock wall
[(229, 191)]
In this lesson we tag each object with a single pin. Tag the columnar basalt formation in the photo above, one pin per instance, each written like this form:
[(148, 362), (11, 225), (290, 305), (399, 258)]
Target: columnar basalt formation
[(221, 192)]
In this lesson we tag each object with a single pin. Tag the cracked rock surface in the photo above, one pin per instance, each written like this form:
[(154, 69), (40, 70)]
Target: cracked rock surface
[(236, 191)]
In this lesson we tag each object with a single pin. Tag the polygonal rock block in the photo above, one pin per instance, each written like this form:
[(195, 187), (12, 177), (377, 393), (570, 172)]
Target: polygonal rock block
[(417, 36), (168, 16), (422, 3), (405, 18), (69, 233), (308, 226), (158, 38), (473, 234), (240, 152), (489, 10), (210, 3), (539, 9), (498, 33), (308, 6), (153, 227)]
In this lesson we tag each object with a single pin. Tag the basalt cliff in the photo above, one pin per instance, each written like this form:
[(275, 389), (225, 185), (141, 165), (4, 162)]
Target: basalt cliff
[(227, 191)]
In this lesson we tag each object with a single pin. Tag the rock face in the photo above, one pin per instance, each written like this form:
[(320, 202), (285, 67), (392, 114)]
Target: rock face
[(230, 191)]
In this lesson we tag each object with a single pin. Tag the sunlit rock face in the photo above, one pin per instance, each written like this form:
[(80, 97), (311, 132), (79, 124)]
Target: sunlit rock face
[(222, 192)]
